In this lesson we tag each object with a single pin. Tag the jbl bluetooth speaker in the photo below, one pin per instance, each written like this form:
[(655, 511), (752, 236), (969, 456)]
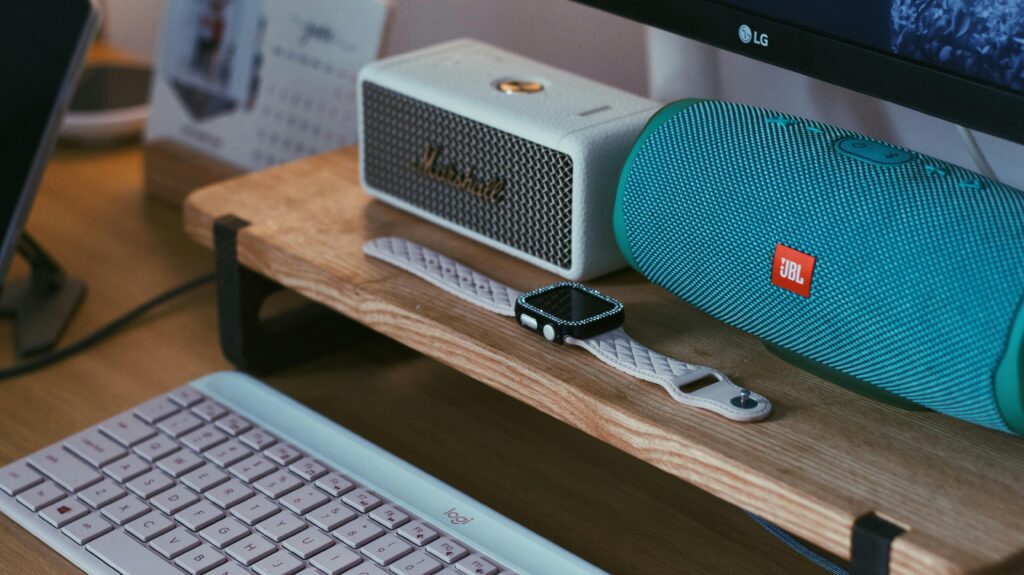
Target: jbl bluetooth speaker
[(871, 261)]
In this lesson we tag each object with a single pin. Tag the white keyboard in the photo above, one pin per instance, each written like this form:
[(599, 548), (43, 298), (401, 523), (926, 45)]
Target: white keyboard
[(226, 476)]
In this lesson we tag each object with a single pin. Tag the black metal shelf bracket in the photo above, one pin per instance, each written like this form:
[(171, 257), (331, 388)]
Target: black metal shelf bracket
[(871, 543), (261, 346)]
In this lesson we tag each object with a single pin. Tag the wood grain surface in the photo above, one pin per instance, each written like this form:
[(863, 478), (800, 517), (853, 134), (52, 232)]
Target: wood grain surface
[(824, 458), (616, 511)]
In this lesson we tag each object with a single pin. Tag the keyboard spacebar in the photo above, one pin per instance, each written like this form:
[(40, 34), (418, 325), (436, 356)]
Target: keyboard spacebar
[(128, 556)]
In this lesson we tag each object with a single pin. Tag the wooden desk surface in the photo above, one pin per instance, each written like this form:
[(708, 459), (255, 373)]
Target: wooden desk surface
[(616, 511)]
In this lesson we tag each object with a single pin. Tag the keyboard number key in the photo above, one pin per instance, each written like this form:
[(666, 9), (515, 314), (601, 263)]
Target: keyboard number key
[(419, 563), (358, 532), (252, 468)]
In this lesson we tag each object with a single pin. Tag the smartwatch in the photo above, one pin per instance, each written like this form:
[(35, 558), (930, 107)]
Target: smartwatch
[(572, 313)]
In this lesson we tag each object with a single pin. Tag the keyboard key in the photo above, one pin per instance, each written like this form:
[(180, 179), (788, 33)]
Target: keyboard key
[(67, 470), (228, 453), (251, 549), (447, 550), (155, 410), (204, 438), (205, 478), (41, 495), (390, 516), (172, 544), (102, 493), (234, 425), (418, 532), (199, 560), (84, 530), (387, 549), (63, 512), (304, 500), (308, 469), (233, 568), (308, 543), (185, 396), (224, 532), (283, 454), (419, 563), (209, 410), (281, 526), (362, 500), (180, 463), (258, 439), (358, 532), (199, 516), (336, 560), (179, 424), (255, 509), (18, 477), (149, 484), (365, 569), (125, 509), (476, 565), (149, 526), (252, 468), (94, 448), (127, 429), (156, 448), (280, 563), (127, 468), (335, 484), (330, 516), (229, 494), (127, 555), (277, 484), (175, 499)]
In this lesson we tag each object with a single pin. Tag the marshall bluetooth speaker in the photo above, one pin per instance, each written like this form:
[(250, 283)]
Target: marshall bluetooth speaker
[(508, 151), (864, 261)]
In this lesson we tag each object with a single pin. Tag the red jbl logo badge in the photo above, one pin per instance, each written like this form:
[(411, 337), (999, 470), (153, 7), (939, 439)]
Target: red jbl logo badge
[(793, 270)]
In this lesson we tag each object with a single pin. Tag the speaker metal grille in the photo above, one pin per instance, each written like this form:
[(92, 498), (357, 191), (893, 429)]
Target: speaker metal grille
[(918, 277), (534, 211)]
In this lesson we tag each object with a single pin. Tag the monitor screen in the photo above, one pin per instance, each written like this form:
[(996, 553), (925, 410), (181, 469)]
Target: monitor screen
[(41, 49), (980, 39), (960, 60)]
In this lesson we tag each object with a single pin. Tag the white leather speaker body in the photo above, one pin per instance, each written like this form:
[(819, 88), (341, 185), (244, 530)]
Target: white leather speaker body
[(511, 152)]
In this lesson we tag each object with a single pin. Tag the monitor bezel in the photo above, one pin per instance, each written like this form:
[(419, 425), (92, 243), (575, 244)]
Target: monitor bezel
[(931, 90), (19, 216)]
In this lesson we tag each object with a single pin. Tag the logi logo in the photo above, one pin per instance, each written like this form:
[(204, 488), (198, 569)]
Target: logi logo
[(748, 35), (793, 270), (456, 518)]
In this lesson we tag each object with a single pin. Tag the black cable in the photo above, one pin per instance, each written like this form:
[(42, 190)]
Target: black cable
[(102, 333)]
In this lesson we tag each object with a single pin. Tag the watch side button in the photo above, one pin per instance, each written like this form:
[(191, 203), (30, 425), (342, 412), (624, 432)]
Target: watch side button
[(549, 332), (528, 321)]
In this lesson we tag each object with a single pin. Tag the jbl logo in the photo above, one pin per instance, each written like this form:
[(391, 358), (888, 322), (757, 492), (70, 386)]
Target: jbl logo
[(792, 270)]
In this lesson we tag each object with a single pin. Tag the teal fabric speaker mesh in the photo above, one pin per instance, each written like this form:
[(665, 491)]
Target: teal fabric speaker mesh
[(919, 266)]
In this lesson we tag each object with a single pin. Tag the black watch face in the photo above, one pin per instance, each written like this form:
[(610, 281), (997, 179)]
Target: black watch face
[(569, 303)]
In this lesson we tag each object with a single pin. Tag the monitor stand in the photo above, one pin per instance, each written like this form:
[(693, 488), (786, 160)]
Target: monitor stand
[(43, 303)]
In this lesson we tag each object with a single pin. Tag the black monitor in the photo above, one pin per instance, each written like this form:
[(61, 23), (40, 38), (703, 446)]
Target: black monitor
[(960, 60), (43, 45)]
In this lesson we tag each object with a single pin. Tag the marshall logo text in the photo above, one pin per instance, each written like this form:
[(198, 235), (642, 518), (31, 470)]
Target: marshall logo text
[(450, 174)]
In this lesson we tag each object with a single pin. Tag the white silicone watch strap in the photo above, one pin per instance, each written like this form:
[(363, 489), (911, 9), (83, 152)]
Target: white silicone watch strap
[(618, 349), (615, 348), (445, 273)]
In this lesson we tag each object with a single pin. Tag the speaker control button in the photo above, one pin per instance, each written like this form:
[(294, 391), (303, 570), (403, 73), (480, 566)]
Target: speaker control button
[(971, 184), (549, 332), (934, 171), (873, 152)]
